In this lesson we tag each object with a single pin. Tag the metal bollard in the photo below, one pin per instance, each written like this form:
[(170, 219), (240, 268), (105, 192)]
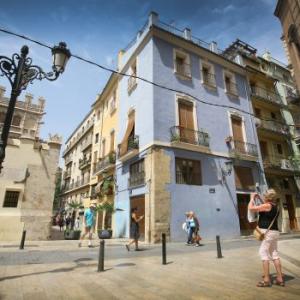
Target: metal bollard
[(101, 257), (219, 250), (164, 250), (23, 240)]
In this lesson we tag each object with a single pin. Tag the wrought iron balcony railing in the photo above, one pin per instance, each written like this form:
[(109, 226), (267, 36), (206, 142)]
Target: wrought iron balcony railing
[(241, 148), (266, 95), (284, 163), (275, 126), (132, 144), (84, 162), (190, 136), (292, 96), (108, 160), (136, 179)]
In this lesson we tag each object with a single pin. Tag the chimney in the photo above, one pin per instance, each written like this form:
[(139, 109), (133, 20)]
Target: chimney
[(187, 34), (153, 18), (213, 47)]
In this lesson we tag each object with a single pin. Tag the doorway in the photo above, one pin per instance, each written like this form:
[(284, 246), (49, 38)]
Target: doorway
[(139, 203), (246, 228), (291, 212)]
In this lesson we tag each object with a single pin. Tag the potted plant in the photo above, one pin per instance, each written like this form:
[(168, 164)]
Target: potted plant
[(175, 137), (71, 233), (107, 186), (107, 208)]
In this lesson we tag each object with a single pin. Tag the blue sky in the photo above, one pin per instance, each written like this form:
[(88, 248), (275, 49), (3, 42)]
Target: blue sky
[(97, 30)]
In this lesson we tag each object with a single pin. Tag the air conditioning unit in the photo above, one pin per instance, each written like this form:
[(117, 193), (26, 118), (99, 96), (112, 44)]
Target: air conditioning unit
[(286, 164)]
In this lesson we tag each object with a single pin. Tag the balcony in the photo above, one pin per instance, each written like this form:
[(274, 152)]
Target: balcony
[(68, 160), (183, 69), (84, 163), (274, 126), (67, 174), (131, 150), (132, 83), (74, 141), (209, 79), (136, 179), (297, 134), (266, 96), (106, 163), (281, 163), (189, 136), (292, 97), (87, 143), (240, 149)]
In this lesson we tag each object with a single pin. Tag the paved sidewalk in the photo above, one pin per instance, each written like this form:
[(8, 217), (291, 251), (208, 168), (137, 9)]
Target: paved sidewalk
[(61, 270)]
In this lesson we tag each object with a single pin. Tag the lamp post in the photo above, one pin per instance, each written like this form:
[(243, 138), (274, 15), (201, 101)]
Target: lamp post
[(20, 71)]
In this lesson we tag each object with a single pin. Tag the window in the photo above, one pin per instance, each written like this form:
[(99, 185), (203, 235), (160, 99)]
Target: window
[(132, 82), (11, 199), (186, 121), (244, 178), (273, 115), (16, 121), (230, 85), (113, 102), (137, 174), (182, 64), (257, 112), (208, 75), (188, 171), (278, 149), (112, 141), (103, 147), (96, 138)]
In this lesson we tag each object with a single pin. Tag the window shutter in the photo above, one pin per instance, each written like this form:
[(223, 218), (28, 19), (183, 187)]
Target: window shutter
[(130, 128), (244, 178)]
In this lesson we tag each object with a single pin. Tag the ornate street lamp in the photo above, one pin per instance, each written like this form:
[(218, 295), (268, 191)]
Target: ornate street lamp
[(20, 71)]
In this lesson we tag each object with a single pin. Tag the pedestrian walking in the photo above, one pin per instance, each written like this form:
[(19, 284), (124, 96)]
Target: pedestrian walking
[(60, 222), (134, 229), (88, 224), (192, 225), (68, 221), (267, 225)]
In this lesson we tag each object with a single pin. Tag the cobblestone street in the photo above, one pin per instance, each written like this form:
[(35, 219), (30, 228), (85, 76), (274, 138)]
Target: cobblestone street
[(61, 270)]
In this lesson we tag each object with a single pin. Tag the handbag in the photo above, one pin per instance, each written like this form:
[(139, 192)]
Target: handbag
[(258, 234)]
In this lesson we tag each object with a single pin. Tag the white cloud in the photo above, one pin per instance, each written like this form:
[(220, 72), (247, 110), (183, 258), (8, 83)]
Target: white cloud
[(224, 10)]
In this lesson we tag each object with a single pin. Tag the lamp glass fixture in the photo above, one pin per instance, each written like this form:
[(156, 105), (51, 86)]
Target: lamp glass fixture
[(60, 56)]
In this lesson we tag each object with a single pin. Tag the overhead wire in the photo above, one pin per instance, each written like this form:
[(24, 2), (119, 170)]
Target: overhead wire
[(145, 80)]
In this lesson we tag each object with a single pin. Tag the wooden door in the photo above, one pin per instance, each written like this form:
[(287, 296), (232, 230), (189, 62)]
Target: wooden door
[(186, 123), (246, 228), (291, 211), (238, 136), (139, 203)]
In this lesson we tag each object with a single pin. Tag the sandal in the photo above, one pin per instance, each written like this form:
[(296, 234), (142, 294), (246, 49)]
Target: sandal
[(263, 284), (280, 283)]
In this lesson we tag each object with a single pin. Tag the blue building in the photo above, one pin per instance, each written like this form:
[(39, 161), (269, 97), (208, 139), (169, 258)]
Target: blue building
[(190, 146)]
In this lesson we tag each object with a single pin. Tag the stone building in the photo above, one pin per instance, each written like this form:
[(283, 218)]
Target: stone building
[(27, 180), (271, 87), (176, 153), (78, 161), (288, 12)]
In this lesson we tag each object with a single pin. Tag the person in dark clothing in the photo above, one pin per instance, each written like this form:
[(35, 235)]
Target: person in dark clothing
[(268, 213), (134, 229)]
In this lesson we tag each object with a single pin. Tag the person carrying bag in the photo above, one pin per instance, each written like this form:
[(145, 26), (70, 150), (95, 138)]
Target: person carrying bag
[(267, 232)]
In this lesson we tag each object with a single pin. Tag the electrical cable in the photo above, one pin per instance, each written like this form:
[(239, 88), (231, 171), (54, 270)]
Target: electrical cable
[(147, 81)]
